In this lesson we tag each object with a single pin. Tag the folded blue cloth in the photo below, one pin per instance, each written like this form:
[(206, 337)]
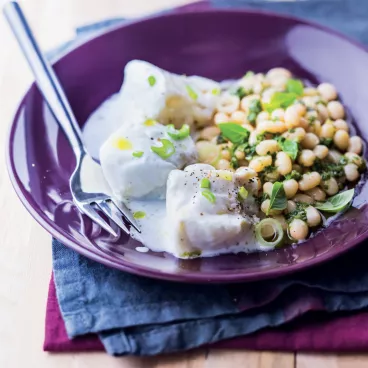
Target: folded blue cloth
[(136, 315)]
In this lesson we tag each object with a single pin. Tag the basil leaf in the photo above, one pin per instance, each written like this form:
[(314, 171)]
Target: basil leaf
[(234, 132), (280, 100), (295, 86), (290, 147), (336, 203), (278, 200)]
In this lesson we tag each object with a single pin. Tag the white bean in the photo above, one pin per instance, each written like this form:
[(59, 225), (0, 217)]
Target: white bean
[(317, 194), (247, 100), (262, 116), (266, 205), (320, 151), (351, 172), (259, 163), (309, 181), (278, 114), (267, 147), (221, 117), (322, 112), (209, 132), (290, 187), (291, 206), (353, 158), (341, 140), (298, 229), (330, 186), (313, 216), (292, 116), (223, 164), (238, 116), (253, 138), (271, 127), (228, 103), (355, 145), (303, 198), (334, 156), (327, 131), (341, 124), (327, 91), (336, 110), (267, 188), (307, 158), (310, 141), (281, 220), (283, 163), (296, 134)]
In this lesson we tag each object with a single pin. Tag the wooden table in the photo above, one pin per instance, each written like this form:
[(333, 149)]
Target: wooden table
[(25, 252)]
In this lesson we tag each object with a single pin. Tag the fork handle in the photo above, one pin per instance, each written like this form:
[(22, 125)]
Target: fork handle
[(46, 78)]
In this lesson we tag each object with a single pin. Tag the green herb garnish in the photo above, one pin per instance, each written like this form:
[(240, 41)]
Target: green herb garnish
[(280, 100), (166, 150), (139, 215), (293, 175), (234, 132), (337, 203), (151, 80), (255, 108), (243, 193), (180, 134), (209, 196), (192, 94), (138, 154), (278, 200), (205, 183), (326, 142), (295, 86), (298, 213), (241, 92), (290, 147)]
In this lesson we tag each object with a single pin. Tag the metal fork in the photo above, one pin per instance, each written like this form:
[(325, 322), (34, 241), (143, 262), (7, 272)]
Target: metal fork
[(53, 93)]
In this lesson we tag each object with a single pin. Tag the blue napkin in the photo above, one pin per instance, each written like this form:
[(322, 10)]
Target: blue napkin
[(136, 315)]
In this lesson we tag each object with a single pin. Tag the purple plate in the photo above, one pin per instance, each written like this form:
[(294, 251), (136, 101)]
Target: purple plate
[(212, 43)]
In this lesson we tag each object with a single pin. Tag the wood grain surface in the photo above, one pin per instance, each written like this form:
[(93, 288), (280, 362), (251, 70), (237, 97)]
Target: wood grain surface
[(25, 251)]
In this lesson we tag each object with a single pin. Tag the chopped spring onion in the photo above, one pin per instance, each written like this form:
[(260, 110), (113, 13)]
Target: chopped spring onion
[(138, 154), (192, 94), (208, 153), (177, 135), (139, 215), (269, 233), (216, 91), (151, 80), (209, 196), (205, 183), (166, 150), (243, 193)]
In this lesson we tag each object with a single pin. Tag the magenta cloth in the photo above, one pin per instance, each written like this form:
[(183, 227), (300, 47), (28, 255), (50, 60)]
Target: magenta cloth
[(338, 333)]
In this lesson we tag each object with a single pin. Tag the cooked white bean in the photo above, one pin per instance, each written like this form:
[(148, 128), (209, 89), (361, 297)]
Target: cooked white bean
[(267, 188), (353, 158), (330, 186), (253, 138), (226, 154), (223, 164), (272, 176), (248, 127), (320, 151), (292, 116), (228, 103), (296, 134), (266, 205), (267, 147), (327, 91), (209, 132), (303, 198), (317, 194), (341, 124), (283, 163), (268, 93), (298, 229), (310, 141), (248, 178), (341, 140), (281, 220), (297, 168), (240, 155), (307, 157), (314, 127), (311, 101), (313, 216), (259, 163), (334, 156), (300, 108), (309, 181), (221, 117), (336, 110), (322, 112), (271, 127), (247, 100), (291, 187), (310, 91), (355, 145), (238, 116), (278, 114), (278, 72), (291, 206), (262, 116), (351, 172), (327, 130)]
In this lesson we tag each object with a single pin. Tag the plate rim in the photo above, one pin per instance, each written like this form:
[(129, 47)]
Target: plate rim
[(137, 269)]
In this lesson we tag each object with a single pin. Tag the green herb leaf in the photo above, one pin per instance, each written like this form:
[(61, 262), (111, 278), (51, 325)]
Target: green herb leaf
[(326, 142), (151, 80), (138, 154), (278, 200), (280, 100), (180, 134), (293, 175), (166, 150), (243, 193), (209, 196), (255, 108), (337, 203), (234, 132), (139, 215), (295, 86), (290, 147), (205, 183), (241, 92), (192, 94)]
